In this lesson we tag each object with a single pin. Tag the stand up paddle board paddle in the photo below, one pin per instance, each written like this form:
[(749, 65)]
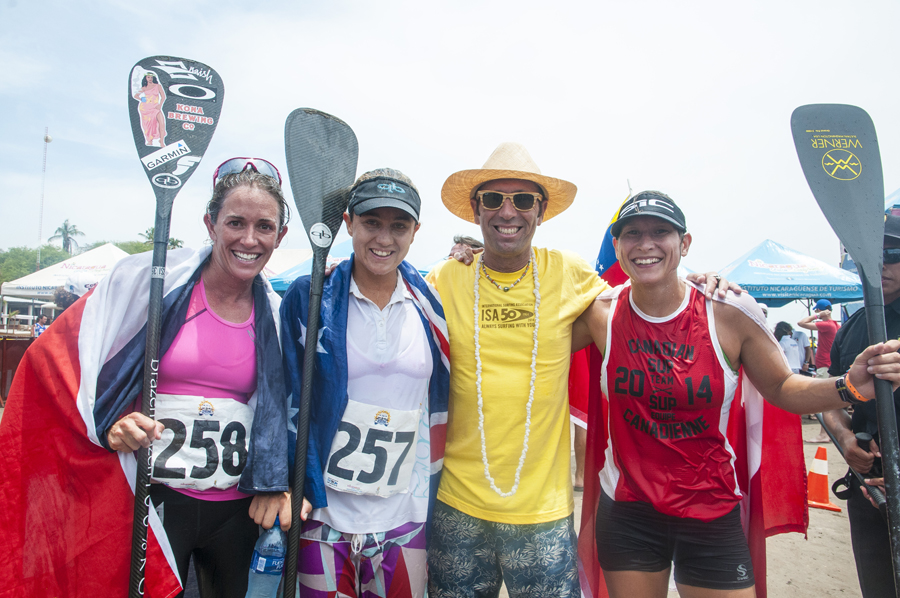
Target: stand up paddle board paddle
[(174, 104), (321, 153), (838, 151)]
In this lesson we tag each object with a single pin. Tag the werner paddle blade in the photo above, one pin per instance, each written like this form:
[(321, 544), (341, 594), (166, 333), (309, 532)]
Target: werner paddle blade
[(174, 107), (838, 150), (321, 153)]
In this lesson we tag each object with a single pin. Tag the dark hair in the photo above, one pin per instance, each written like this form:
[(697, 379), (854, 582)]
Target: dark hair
[(470, 241), (149, 74), (63, 298), (782, 329), (249, 178)]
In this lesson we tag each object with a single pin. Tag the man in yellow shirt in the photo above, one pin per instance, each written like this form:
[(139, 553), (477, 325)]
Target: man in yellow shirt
[(505, 501), (504, 505)]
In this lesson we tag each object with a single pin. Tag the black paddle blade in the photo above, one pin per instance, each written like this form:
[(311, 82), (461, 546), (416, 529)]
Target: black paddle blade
[(321, 153), (174, 104), (838, 150)]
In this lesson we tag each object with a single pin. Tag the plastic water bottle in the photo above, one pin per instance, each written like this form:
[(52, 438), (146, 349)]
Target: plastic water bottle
[(267, 563)]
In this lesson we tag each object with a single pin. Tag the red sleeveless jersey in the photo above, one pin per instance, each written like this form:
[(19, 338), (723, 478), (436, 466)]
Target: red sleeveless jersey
[(670, 391)]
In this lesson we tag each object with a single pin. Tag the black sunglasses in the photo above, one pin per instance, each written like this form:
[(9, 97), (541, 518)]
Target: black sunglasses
[(522, 201), (892, 255)]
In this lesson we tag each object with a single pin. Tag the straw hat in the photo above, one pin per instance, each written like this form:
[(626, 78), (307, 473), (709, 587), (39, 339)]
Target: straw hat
[(509, 161)]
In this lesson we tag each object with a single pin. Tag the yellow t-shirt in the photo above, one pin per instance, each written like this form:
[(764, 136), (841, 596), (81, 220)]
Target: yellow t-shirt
[(506, 320)]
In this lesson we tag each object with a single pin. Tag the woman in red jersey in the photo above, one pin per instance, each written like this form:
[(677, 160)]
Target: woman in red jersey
[(671, 361)]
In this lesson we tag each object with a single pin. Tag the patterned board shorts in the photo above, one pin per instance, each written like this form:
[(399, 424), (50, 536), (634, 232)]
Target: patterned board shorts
[(471, 557), (333, 564)]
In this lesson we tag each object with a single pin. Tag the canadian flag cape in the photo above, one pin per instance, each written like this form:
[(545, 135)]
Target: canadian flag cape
[(67, 502), (770, 468)]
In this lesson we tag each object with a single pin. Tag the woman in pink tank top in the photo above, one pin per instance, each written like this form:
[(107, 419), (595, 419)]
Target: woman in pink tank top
[(207, 394)]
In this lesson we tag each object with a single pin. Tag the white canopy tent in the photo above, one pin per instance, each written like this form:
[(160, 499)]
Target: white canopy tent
[(284, 259), (41, 284)]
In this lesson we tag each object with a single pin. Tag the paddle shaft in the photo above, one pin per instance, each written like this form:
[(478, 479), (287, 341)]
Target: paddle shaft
[(148, 399), (887, 423), (317, 281), (874, 492)]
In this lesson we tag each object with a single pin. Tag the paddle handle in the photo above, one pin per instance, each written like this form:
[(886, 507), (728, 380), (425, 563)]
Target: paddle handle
[(317, 281), (148, 402)]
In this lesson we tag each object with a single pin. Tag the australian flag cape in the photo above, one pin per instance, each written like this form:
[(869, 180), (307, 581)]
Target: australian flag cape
[(769, 463), (65, 525), (329, 393)]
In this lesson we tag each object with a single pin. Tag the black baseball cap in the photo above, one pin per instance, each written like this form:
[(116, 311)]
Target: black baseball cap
[(892, 227), (384, 192), (649, 203)]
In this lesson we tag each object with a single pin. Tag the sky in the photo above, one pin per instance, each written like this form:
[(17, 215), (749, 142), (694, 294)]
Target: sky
[(690, 98)]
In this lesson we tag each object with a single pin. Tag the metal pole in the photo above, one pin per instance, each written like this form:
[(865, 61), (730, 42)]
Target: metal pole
[(47, 140)]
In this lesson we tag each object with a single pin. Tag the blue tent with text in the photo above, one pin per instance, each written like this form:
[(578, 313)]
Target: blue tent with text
[(776, 275)]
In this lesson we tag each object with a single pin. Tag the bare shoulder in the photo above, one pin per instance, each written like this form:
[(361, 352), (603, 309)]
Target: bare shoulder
[(740, 325), (739, 311)]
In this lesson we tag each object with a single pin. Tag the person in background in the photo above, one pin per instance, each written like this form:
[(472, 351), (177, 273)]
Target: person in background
[(783, 333), (868, 531), (806, 352), (40, 326), (463, 242), (822, 322)]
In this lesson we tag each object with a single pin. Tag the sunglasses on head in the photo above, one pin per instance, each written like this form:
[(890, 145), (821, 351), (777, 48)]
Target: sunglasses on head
[(892, 255), (522, 201), (238, 165)]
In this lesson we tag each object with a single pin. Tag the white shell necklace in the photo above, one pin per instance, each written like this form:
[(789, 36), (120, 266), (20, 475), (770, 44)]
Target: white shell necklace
[(537, 320)]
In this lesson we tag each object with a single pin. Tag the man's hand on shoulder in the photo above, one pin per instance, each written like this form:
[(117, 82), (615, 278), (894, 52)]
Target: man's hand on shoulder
[(463, 253), (714, 283)]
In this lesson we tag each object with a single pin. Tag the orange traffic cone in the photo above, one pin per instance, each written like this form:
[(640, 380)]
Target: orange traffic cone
[(817, 484)]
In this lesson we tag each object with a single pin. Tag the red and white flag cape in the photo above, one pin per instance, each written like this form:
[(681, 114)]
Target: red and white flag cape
[(66, 503)]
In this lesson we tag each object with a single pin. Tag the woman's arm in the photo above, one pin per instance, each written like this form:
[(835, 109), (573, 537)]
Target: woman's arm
[(748, 345)]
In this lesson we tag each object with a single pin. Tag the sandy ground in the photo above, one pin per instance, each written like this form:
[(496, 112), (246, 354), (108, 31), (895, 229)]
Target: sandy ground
[(822, 565), (819, 566)]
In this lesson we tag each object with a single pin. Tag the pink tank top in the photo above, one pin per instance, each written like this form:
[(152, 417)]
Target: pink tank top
[(213, 358)]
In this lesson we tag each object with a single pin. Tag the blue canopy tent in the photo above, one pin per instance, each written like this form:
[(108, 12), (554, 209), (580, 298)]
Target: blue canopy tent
[(776, 275), (338, 253)]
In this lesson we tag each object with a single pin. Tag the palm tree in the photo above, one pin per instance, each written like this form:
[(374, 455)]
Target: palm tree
[(148, 239), (65, 233)]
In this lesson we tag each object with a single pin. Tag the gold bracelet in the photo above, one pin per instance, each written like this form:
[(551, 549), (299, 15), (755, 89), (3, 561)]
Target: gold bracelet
[(853, 391)]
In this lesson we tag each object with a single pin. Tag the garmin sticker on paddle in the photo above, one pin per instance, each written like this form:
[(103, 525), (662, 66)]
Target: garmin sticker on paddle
[(166, 154), (320, 234)]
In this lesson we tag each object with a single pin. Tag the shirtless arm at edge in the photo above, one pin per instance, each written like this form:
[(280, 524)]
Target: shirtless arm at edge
[(745, 343)]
